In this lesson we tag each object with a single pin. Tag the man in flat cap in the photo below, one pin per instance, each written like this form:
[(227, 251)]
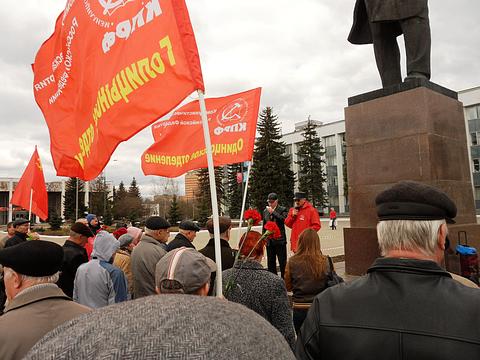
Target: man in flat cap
[(187, 231), (74, 255), (276, 248), (406, 304), (184, 271), (35, 305), (145, 256), (300, 217), (21, 230), (380, 22)]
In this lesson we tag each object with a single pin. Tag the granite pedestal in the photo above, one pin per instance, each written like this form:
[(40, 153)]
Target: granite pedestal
[(411, 131)]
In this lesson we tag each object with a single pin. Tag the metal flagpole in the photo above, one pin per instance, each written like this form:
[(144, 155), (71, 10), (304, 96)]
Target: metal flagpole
[(244, 200), (30, 208), (213, 192), (76, 201)]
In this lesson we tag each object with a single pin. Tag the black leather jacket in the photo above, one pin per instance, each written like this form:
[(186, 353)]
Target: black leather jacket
[(402, 309)]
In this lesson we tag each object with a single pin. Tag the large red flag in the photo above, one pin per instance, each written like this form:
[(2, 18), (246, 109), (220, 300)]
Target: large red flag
[(109, 70), (179, 143), (32, 182)]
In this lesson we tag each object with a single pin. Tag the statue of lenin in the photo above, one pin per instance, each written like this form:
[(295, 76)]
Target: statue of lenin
[(380, 22)]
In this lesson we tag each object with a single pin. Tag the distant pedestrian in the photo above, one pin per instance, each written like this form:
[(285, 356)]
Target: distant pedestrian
[(300, 217), (333, 219), (98, 283), (123, 260)]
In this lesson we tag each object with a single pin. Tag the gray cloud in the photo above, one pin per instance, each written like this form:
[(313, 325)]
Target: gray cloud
[(297, 51)]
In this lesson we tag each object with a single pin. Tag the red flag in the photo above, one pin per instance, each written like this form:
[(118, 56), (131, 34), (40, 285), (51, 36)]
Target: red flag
[(109, 70), (179, 143), (32, 180)]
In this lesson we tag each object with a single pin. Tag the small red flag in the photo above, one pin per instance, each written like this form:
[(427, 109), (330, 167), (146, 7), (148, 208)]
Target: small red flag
[(32, 180)]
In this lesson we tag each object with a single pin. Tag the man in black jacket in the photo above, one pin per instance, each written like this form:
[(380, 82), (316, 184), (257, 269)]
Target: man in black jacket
[(407, 306), (276, 247), (74, 255), (226, 252), (187, 231), (21, 230)]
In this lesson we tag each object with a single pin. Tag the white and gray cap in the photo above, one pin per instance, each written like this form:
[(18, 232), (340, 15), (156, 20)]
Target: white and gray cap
[(183, 270)]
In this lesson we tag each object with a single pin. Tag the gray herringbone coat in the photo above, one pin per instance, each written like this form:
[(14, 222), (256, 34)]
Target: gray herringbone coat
[(165, 327), (263, 292)]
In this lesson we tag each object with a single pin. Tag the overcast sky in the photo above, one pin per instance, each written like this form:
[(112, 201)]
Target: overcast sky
[(296, 50)]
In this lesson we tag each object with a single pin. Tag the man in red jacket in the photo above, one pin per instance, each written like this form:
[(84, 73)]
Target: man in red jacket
[(302, 216)]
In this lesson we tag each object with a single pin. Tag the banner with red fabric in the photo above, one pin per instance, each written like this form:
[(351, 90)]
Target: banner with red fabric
[(32, 183), (179, 144), (110, 69)]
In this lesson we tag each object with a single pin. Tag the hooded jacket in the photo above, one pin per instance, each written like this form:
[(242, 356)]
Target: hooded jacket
[(99, 283)]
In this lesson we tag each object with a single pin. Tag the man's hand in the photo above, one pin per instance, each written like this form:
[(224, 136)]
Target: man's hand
[(294, 212), (269, 209)]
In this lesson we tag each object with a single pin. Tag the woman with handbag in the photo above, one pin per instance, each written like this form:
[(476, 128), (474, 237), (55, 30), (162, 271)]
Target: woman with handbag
[(306, 274)]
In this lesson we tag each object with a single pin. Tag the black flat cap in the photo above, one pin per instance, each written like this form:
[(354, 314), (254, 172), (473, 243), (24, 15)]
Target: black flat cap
[(411, 200), (19, 222), (81, 229), (35, 258), (189, 225), (299, 195), (157, 223), (272, 196)]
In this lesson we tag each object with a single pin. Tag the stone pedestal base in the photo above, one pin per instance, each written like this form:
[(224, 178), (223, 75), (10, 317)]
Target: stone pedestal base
[(412, 134)]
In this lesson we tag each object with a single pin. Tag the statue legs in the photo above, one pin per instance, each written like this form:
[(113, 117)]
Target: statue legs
[(416, 32)]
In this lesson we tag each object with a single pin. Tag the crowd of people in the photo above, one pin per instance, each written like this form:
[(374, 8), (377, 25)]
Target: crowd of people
[(164, 290)]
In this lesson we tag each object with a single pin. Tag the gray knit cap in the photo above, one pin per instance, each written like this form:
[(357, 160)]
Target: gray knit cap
[(165, 327)]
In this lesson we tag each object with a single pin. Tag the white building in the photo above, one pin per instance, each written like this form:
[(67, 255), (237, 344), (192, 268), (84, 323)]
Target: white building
[(333, 141)]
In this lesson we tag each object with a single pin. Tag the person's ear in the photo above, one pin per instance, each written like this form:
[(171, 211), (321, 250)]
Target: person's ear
[(203, 291), (442, 235), (157, 290)]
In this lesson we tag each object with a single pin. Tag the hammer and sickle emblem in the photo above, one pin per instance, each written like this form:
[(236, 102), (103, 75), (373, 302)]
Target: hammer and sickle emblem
[(39, 164), (109, 6), (232, 113)]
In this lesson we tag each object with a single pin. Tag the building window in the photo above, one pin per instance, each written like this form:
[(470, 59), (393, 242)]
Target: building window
[(474, 138), (476, 165), (472, 112)]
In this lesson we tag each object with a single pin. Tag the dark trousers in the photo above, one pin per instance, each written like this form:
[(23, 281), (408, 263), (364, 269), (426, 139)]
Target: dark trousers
[(274, 250), (416, 32)]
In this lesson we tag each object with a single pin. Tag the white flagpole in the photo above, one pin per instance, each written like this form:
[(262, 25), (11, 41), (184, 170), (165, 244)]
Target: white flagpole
[(244, 200), (30, 207), (213, 193)]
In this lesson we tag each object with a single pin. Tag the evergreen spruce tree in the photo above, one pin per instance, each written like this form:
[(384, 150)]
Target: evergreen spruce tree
[(174, 214), (55, 221), (119, 203), (134, 204), (203, 199), (234, 191), (311, 175), (271, 165), (70, 199), (98, 202)]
